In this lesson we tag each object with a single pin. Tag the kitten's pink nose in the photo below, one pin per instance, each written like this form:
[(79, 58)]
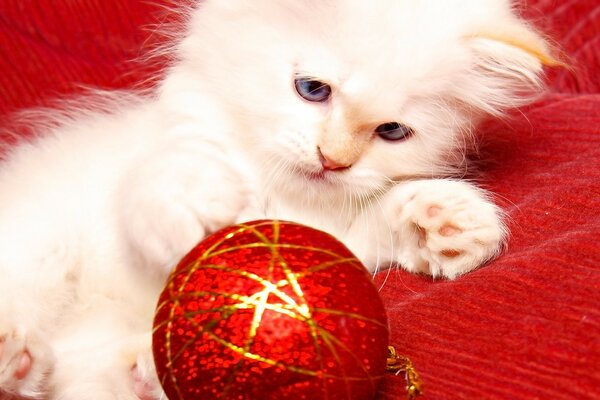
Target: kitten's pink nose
[(330, 164)]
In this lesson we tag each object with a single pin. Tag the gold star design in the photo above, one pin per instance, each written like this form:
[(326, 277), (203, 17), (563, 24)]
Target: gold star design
[(295, 307)]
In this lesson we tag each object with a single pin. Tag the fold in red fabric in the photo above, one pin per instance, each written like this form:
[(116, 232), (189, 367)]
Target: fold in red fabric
[(526, 326)]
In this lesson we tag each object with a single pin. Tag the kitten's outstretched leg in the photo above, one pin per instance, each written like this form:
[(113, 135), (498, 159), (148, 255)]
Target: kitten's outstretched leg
[(139, 383), (34, 293), (175, 197), (439, 227), (106, 352)]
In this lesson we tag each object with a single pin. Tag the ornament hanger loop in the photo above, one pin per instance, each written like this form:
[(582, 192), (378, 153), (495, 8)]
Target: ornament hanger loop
[(397, 363)]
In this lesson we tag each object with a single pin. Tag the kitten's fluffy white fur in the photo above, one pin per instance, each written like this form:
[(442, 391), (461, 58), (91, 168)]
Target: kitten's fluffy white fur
[(97, 209)]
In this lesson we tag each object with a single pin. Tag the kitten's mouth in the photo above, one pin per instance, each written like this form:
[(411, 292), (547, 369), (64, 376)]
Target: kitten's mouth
[(316, 176)]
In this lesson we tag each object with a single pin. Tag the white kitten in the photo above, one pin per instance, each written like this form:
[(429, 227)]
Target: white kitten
[(347, 115)]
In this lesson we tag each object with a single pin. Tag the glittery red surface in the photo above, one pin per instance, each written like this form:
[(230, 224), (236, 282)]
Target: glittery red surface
[(270, 310)]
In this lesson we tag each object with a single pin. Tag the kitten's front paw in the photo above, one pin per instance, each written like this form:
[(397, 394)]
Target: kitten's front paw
[(444, 227), (172, 201), (145, 382), (25, 362)]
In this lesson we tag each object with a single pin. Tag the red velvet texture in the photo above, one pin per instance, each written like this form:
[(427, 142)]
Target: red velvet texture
[(526, 326)]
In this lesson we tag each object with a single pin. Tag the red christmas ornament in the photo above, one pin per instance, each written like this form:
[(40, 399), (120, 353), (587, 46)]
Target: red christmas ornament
[(270, 310)]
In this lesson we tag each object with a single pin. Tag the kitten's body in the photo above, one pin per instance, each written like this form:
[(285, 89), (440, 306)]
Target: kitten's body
[(95, 211)]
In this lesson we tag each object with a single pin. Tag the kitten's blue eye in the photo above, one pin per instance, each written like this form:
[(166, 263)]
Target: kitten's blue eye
[(393, 131), (312, 90)]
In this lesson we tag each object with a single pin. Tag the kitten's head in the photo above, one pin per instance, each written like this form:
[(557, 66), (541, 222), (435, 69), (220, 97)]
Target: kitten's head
[(348, 95)]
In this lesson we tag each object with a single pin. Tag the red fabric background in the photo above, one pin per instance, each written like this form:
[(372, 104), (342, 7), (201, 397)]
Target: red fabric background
[(527, 326)]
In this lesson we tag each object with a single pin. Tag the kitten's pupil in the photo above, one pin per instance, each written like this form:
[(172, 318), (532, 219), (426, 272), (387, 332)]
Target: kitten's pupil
[(312, 90), (393, 131)]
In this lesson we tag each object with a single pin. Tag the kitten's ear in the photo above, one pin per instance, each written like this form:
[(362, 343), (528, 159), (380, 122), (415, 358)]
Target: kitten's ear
[(508, 65), (519, 35)]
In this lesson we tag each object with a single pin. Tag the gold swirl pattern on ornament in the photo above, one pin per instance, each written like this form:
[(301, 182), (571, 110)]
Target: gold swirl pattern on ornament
[(298, 310)]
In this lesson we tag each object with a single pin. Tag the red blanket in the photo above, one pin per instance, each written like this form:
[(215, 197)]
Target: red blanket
[(527, 326)]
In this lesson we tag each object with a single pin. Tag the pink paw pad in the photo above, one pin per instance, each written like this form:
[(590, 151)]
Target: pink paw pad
[(24, 365), (449, 230), (143, 388), (434, 211), (450, 253), (25, 362)]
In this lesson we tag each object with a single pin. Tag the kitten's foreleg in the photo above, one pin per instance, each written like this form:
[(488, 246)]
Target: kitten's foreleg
[(443, 227), (174, 197), (439, 227), (105, 353), (35, 292)]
